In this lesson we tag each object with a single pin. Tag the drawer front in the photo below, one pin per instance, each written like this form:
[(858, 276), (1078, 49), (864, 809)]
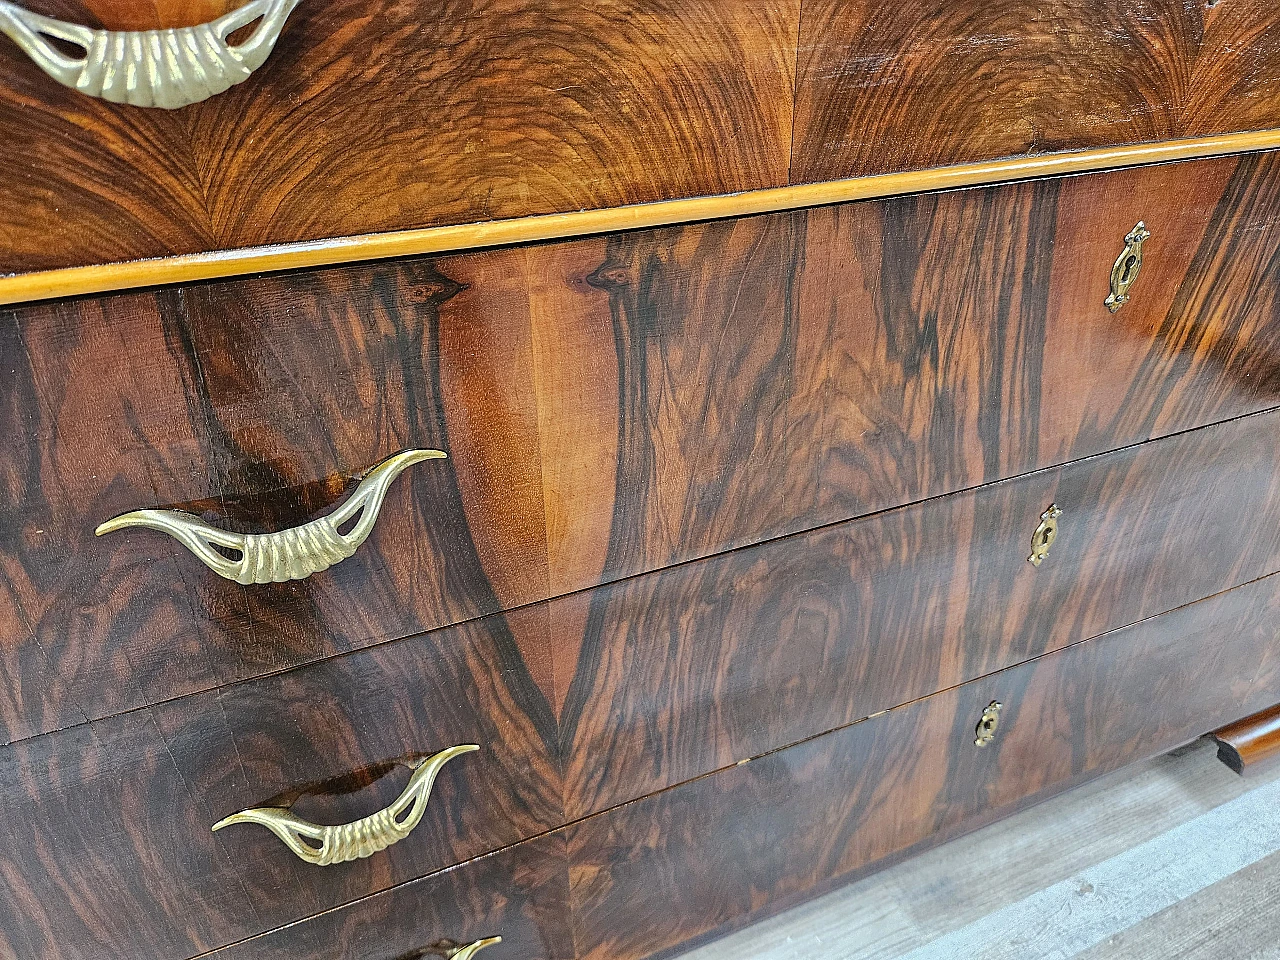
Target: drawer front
[(255, 408), (574, 701), (695, 668), (952, 81), (518, 894), (107, 825), (705, 856), (515, 107), (609, 406)]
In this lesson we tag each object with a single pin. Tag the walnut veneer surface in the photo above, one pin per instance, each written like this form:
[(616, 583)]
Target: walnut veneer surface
[(610, 407), (376, 115), (729, 554), (665, 677), (670, 869), (797, 490)]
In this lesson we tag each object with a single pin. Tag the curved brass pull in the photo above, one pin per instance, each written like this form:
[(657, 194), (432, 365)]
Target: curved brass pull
[(289, 554), (150, 68), (363, 838), (1127, 267), (471, 949)]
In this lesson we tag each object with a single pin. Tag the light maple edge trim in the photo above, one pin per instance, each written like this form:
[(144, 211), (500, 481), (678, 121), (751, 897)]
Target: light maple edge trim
[(76, 281)]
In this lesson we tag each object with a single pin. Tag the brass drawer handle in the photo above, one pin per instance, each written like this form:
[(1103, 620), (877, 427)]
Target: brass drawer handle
[(1127, 267), (325, 846), (150, 68), (471, 949), (292, 554)]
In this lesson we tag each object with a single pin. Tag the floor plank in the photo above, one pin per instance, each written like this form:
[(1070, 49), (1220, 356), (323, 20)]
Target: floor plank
[(1022, 889), (1234, 918)]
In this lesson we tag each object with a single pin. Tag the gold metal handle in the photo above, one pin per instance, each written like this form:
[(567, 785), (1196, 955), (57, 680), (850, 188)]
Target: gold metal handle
[(1127, 267), (292, 554), (471, 949), (150, 68), (1044, 536), (985, 732), (325, 846)]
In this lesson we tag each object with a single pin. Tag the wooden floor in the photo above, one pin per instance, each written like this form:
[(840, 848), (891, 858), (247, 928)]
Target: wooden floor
[(1175, 859)]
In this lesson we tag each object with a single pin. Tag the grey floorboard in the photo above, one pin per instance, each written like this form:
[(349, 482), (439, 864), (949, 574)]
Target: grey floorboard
[(1022, 889)]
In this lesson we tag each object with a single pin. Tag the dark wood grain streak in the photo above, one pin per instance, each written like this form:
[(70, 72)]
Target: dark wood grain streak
[(373, 116), (707, 856), (519, 894), (114, 816), (669, 675), (697, 667), (651, 877), (200, 420), (930, 83), (610, 406)]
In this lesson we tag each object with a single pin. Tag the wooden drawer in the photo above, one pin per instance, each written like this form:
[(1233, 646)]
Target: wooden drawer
[(518, 108), (106, 826), (574, 700), (610, 406), (699, 859), (769, 645), (519, 894), (704, 857), (942, 82), (374, 115)]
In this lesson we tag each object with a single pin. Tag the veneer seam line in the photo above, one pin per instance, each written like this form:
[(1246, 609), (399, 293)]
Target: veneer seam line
[(186, 268)]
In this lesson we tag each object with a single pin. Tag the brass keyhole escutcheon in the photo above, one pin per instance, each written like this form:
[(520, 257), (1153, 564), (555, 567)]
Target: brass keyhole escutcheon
[(1044, 536), (986, 729), (1128, 265)]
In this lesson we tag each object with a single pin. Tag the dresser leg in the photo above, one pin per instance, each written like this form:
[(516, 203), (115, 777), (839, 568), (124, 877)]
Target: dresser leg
[(1252, 743)]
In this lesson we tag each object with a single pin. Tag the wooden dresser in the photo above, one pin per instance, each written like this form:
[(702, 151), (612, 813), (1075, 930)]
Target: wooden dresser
[(591, 473)]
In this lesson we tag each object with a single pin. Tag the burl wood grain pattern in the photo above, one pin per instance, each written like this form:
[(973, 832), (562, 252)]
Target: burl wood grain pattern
[(610, 407), (257, 419), (376, 115), (707, 856), (519, 894), (677, 673), (697, 667), (107, 825), (927, 83)]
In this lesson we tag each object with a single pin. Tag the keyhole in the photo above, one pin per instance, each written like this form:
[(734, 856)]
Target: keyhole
[(1128, 268), (985, 731)]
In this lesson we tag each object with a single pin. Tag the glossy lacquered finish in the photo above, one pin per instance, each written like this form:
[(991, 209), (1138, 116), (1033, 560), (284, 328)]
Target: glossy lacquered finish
[(695, 668), (520, 108), (125, 806), (591, 700), (514, 107), (926, 83), (702, 858), (707, 856), (609, 407), (1251, 744), (519, 894)]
